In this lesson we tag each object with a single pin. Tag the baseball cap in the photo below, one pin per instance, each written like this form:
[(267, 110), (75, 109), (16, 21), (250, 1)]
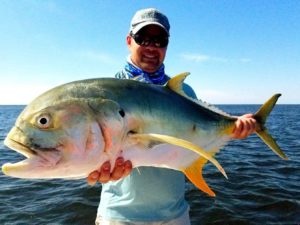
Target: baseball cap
[(150, 16)]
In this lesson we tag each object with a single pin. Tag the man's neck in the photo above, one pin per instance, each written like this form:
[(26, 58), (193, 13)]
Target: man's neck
[(157, 77)]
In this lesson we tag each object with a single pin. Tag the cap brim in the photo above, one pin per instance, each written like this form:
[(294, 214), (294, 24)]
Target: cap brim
[(142, 25)]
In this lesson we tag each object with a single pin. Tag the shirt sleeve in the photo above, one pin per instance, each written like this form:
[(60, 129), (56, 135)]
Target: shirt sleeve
[(189, 91)]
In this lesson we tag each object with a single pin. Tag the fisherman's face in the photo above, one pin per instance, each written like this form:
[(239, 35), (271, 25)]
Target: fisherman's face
[(148, 58)]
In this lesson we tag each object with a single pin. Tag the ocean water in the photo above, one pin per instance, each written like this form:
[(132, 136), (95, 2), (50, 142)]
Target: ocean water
[(261, 189)]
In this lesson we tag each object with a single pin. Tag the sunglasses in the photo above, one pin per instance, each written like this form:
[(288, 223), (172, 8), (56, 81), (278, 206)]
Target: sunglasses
[(159, 41)]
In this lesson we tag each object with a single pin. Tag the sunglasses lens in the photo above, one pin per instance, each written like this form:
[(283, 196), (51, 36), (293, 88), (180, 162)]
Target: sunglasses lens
[(159, 41), (139, 39)]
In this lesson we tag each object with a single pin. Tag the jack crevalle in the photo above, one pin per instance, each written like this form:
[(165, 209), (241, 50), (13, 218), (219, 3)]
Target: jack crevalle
[(70, 130)]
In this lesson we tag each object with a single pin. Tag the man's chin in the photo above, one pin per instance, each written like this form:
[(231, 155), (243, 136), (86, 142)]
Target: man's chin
[(150, 67)]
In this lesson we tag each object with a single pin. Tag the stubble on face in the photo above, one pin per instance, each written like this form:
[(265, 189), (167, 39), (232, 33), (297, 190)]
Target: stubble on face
[(148, 58)]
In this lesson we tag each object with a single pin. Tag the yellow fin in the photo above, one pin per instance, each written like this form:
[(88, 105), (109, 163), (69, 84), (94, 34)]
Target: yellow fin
[(194, 174), (268, 139), (176, 82), (261, 117), (179, 142)]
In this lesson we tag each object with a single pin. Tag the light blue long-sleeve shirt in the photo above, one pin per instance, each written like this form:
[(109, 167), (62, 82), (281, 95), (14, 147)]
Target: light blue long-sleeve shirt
[(147, 194)]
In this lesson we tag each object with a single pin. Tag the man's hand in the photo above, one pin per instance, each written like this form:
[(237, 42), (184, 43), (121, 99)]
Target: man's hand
[(244, 126), (103, 175)]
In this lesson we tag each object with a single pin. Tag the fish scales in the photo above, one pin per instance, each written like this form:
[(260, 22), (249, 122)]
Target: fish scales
[(71, 130)]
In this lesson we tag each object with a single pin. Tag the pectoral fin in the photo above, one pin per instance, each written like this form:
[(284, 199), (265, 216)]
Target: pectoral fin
[(194, 174), (153, 139)]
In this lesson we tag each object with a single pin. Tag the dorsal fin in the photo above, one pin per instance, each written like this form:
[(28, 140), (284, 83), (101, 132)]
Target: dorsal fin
[(211, 107), (175, 83)]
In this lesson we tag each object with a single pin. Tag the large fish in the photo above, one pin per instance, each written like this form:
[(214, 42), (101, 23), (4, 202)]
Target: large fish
[(70, 130)]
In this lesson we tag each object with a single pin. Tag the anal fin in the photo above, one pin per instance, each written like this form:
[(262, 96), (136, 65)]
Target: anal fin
[(194, 174), (156, 138)]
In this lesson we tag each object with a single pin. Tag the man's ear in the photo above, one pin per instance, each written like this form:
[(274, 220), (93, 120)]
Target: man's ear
[(128, 40)]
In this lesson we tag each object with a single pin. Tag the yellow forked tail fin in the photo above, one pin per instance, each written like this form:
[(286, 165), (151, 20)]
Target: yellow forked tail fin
[(194, 174), (261, 117)]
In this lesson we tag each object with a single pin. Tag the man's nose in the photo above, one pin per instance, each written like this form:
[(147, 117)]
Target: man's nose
[(152, 45)]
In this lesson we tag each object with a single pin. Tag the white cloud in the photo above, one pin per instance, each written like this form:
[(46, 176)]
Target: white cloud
[(214, 96), (195, 57), (97, 56), (20, 94)]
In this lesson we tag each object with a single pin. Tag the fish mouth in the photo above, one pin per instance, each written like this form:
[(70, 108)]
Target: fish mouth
[(20, 148), (35, 158)]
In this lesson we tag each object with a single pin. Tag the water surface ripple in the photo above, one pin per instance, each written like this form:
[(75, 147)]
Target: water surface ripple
[(261, 189)]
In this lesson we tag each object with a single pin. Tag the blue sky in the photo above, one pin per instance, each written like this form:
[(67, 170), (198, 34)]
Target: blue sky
[(237, 51)]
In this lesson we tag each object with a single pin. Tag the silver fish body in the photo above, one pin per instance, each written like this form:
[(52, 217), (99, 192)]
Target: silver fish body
[(70, 130)]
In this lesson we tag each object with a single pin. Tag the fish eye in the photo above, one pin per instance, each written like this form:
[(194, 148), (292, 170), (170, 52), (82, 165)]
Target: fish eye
[(43, 121)]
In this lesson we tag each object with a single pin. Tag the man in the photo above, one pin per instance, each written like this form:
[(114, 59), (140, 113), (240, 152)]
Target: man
[(148, 195)]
